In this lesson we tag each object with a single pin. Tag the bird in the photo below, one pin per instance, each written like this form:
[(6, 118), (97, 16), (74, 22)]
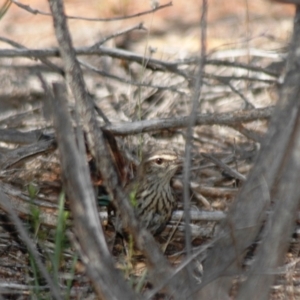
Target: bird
[(151, 193)]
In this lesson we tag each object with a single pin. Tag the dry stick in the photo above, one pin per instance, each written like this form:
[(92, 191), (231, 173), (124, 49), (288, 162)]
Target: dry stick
[(214, 191), (18, 137), (247, 214), (6, 204), (227, 119), (239, 78), (189, 135), (152, 63), (89, 67), (128, 128), (155, 64), (226, 168), (36, 11), (231, 119), (21, 289), (97, 144), (17, 116), (14, 156), (247, 102), (216, 62), (248, 133), (285, 188), (255, 52), (108, 282), (200, 215), (47, 62), (140, 26)]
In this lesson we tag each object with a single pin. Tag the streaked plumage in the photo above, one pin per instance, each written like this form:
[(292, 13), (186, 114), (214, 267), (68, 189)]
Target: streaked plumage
[(152, 193)]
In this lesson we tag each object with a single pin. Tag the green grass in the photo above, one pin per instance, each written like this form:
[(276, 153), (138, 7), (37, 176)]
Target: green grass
[(54, 260)]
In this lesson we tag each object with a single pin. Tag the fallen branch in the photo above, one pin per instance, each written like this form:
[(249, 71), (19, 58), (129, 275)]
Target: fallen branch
[(227, 119)]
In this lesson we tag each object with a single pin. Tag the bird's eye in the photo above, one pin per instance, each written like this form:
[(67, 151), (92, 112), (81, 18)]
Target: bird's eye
[(159, 161)]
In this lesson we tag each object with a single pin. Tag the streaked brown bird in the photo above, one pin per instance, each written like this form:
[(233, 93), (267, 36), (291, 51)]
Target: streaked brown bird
[(151, 191)]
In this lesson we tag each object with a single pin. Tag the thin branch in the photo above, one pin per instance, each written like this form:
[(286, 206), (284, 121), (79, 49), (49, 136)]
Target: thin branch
[(200, 215), (130, 82), (231, 78), (36, 11), (129, 128), (13, 156), (140, 26), (250, 134), (17, 137), (192, 119), (236, 91), (45, 61), (225, 167), (152, 63), (225, 63), (225, 119)]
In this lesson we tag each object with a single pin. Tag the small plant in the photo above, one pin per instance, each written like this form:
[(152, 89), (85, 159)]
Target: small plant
[(60, 237), (54, 260), (34, 226)]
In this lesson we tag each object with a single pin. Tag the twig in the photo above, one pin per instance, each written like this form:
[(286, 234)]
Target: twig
[(226, 63), (130, 82), (250, 134), (238, 78), (12, 157), (232, 53), (152, 63), (140, 26), (236, 91), (45, 61), (200, 215), (17, 137), (36, 11), (213, 191), (192, 119), (225, 167)]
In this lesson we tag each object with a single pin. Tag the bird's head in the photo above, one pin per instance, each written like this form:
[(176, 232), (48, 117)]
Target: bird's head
[(162, 164)]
